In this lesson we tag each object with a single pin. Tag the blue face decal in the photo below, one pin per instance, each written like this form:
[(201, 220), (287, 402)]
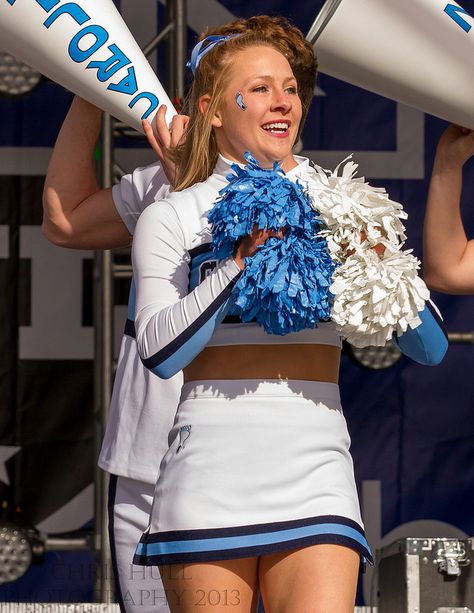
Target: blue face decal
[(240, 101)]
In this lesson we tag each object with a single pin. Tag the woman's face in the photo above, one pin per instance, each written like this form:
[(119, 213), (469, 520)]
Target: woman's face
[(263, 84)]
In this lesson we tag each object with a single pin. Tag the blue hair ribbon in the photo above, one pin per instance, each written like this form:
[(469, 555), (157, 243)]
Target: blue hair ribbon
[(203, 47)]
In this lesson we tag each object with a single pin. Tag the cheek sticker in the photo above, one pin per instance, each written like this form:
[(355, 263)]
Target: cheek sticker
[(240, 101)]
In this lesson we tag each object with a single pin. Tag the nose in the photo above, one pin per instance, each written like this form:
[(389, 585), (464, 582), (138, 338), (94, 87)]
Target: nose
[(281, 101)]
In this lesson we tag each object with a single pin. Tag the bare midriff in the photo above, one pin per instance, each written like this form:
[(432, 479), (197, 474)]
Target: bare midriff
[(279, 361)]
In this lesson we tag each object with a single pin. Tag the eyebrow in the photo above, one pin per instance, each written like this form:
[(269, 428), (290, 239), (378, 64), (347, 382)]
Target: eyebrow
[(270, 77)]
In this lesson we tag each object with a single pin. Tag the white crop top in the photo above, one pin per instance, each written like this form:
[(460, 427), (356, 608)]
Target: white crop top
[(183, 293)]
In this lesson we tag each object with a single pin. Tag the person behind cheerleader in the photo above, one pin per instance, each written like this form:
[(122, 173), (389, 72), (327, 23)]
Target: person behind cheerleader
[(256, 490), (78, 214), (448, 258)]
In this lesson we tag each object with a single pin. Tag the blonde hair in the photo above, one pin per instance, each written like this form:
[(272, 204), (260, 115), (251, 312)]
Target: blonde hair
[(289, 40), (197, 156)]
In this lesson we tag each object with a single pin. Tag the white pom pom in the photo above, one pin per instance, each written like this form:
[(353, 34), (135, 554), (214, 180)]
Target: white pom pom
[(373, 297), (349, 205)]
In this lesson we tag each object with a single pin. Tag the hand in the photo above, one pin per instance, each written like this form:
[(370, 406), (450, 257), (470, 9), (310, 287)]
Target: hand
[(248, 245), (164, 140), (379, 248), (455, 147)]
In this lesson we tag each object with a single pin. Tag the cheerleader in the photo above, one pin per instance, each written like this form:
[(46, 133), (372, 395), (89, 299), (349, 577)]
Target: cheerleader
[(256, 490)]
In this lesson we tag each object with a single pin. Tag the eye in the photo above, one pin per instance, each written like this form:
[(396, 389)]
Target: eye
[(292, 89), (260, 88)]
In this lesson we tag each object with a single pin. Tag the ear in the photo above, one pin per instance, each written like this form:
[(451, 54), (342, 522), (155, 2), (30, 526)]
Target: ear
[(204, 102)]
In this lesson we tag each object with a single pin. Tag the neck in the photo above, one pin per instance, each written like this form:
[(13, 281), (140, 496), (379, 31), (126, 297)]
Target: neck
[(287, 164)]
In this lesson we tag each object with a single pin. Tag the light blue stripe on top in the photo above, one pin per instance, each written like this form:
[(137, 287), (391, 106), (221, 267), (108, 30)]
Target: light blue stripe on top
[(248, 540), (427, 343), (185, 354)]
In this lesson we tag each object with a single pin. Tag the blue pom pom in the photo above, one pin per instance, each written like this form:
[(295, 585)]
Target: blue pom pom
[(285, 285), (258, 197)]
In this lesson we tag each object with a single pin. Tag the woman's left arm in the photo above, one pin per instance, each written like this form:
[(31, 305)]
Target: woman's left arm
[(427, 343)]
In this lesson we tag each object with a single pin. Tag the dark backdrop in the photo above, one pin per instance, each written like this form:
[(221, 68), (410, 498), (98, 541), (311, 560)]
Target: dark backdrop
[(412, 427)]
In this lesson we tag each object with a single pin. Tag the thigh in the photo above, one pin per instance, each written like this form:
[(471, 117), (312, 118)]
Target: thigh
[(138, 588), (316, 579), (212, 586)]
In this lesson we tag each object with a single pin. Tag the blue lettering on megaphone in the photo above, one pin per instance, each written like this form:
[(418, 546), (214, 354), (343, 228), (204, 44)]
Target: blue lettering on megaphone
[(81, 55), (47, 5), (453, 10), (152, 99), (106, 69), (71, 8), (128, 85)]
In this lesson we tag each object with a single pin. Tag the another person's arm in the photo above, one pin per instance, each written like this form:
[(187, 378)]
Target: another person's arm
[(448, 259), (76, 212)]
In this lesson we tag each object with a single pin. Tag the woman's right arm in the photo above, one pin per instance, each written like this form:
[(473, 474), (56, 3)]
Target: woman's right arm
[(172, 325)]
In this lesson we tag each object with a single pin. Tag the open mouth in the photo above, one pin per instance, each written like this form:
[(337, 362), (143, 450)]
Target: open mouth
[(277, 127)]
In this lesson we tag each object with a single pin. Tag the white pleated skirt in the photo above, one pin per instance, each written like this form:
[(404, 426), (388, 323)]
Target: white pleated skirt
[(254, 468)]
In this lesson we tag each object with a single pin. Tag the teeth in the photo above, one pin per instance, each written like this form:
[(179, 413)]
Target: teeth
[(276, 126)]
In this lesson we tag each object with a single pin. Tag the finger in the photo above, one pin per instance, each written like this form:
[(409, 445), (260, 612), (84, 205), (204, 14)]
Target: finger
[(274, 233), (178, 128), (379, 248), (461, 128), (151, 138), (470, 141), (186, 119), (161, 128), (256, 233)]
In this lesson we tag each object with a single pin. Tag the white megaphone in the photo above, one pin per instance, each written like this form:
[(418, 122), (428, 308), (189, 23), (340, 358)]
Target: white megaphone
[(419, 52), (86, 47)]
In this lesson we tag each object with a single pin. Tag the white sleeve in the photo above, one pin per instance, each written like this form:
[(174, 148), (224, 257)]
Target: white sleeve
[(137, 190), (172, 325)]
